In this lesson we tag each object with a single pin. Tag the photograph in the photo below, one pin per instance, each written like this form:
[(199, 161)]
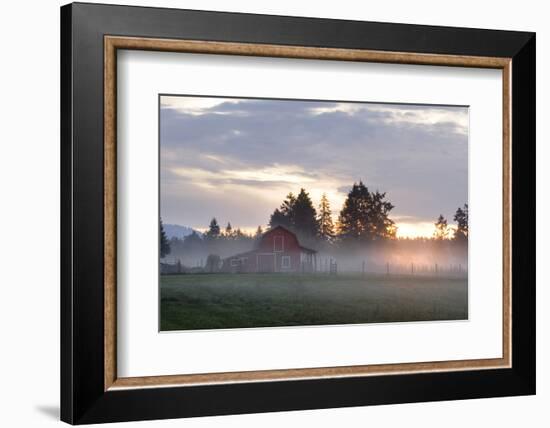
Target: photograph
[(282, 212)]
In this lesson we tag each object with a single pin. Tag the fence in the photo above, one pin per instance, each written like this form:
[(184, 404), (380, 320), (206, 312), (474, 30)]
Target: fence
[(432, 269), (330, 266)]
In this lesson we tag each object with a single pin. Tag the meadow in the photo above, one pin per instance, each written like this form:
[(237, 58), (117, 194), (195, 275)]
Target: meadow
[(212, 301)]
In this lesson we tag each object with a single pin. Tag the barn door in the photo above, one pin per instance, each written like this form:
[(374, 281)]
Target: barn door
[(266, 263)]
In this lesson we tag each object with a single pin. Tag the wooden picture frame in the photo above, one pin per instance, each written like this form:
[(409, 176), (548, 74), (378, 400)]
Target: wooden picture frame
[(91, 390)]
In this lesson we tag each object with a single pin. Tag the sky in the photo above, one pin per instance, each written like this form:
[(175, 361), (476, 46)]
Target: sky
[(236, 159)]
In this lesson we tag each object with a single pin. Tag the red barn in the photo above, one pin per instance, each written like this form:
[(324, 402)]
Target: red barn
[(278, 250)]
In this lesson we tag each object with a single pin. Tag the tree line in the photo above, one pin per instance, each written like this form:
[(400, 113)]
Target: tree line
[(214, 238), (459, 233), (364, 217)]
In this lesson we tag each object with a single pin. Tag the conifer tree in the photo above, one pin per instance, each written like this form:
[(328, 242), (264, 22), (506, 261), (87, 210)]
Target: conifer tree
[(326, 226), (461, 218), (304, 216), (298, 214), (365, 215), (213, 230), (164, 244), (228, 231), (441, 228)]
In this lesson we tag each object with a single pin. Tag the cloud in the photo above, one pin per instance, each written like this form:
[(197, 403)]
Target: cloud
[(282, 174), (194, 106), (456, 118)]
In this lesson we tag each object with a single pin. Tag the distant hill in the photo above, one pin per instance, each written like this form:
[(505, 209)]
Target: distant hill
[(177, 231)]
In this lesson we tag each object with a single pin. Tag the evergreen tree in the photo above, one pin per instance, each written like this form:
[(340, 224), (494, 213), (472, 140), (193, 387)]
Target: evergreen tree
[(213, 230), (287, 207), (283, 216), (298, 214), (259, 233), (365, 215), (354, 214), (381, 226), (441, 228), (229, 231), (238, 234), (164, 244), (304, 216), (461, 218), (391, 230), (326, 226), (279, 219)]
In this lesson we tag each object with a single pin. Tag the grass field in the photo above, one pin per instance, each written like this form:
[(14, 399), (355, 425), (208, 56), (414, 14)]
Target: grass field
[(204, 301)]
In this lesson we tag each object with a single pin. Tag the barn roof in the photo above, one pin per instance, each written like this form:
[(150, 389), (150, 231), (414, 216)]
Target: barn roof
[(253, 251), (305, 249), (308, 250)]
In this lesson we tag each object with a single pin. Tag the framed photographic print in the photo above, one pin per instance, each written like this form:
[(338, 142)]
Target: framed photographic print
[(265, 213)]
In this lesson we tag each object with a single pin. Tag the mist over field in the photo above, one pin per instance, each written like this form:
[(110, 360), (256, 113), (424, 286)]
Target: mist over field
[(397, 256)]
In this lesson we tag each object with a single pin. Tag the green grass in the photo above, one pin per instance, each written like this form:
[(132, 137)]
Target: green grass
[(203, 301)]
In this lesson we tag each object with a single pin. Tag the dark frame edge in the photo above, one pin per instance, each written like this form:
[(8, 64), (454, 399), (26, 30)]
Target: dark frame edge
[(524, 216), (66, 304)]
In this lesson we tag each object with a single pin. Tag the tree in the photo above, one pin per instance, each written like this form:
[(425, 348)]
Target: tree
[(259, 233), (297, 213), (164, 244), (461, 218), (353, 216), (441, 228), (278, 219), (283, 216), (287, 207), (381, 226), (213, 230), (365, 215), (228, 231), (304, 216), (391, 230), (324, 219), (239, 234)]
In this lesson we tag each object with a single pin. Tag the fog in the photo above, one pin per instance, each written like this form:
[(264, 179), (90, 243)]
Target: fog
[(401, 256), (397, 256)]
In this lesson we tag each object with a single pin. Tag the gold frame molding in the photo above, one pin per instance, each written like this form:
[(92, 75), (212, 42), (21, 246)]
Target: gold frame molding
[(113, 43)]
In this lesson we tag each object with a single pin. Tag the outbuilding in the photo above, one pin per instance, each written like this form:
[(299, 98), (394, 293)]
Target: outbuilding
[(278, 250)]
